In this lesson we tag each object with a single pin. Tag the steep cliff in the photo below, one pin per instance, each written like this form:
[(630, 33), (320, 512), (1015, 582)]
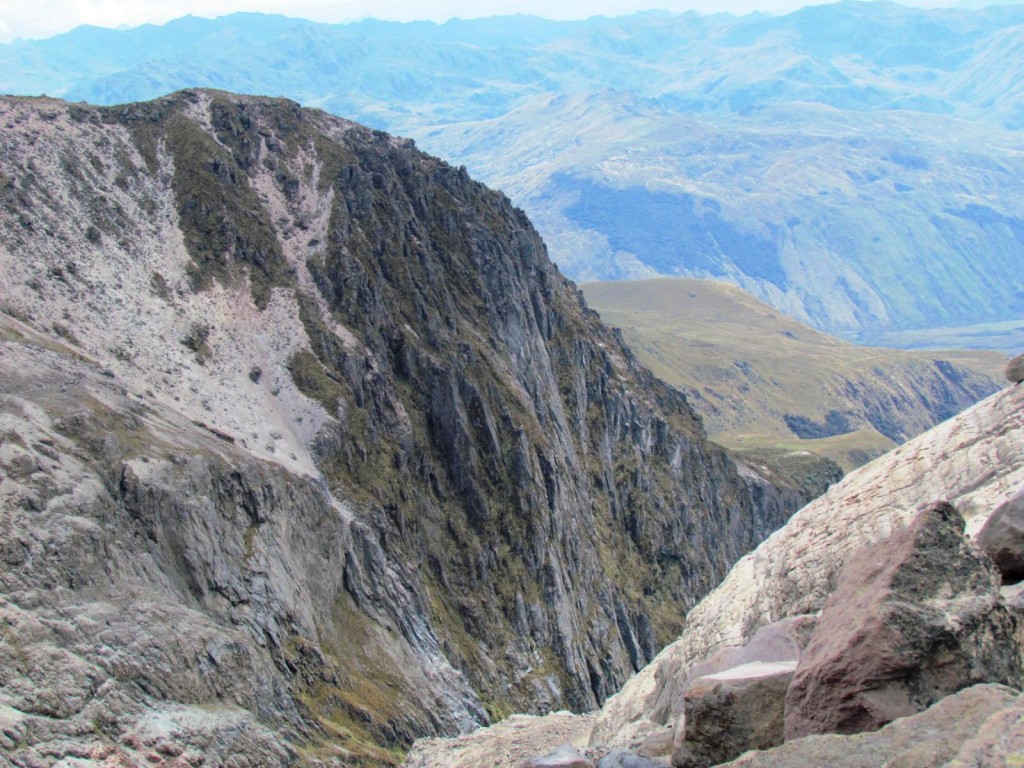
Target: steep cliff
[(303, 431)]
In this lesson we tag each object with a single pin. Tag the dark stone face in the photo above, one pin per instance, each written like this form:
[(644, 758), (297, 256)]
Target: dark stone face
[(1015, 370), (1002, 538), (913, 619)]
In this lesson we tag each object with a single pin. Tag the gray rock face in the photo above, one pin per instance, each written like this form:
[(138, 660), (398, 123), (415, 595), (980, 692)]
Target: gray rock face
[(1015, 369), (439, 489), (566, 756), (913, 619), (955, 731), (730, 712), (1002, 538), (624, 758), (161, 587)]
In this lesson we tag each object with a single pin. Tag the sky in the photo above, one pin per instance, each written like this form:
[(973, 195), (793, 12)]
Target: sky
[(45, 18)]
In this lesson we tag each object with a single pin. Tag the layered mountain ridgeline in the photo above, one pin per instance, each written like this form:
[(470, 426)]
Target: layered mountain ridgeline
[(849, 56), (882, 624), (761, 380), (856, 165), (887, 227), (306, 441)]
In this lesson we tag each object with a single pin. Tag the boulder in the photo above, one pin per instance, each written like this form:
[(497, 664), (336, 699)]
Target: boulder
[(1015, 369), (1002, 538), (624, 758), (566, 756), (999, 741), (783, 640), (952, 731), (912, 620), (656, 743), (730, 712)]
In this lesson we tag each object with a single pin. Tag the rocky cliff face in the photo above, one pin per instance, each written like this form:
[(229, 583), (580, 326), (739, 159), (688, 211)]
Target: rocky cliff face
[(308, 449)]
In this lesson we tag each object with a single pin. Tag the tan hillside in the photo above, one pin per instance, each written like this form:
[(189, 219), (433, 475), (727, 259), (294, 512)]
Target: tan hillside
[(761, 379)]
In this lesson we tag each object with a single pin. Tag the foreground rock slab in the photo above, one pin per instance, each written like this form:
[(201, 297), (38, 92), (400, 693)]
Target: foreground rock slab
[(624, 758), (566, 756), (732, 711), (960, 726)]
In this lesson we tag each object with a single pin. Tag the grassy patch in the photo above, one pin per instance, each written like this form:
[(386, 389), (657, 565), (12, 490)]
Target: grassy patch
[(315, 381), (757, 376)]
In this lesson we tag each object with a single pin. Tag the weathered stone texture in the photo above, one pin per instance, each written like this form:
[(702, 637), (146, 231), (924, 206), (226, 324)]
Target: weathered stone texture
[(913, 619)]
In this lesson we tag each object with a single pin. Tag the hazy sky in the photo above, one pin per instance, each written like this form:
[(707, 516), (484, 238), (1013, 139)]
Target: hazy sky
[(44, 18)]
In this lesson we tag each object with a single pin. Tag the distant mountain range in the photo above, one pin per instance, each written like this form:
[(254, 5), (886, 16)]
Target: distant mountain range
[(857, 165)]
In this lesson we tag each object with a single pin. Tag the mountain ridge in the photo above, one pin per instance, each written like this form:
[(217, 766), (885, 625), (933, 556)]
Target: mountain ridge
[(821, 160)]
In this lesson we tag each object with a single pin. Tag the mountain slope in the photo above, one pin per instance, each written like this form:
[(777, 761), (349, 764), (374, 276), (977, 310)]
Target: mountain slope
[(759, 378), (975, 461), (302, 428)]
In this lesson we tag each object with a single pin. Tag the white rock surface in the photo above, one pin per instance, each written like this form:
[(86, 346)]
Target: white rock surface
[(503, 745), (975, 461), (105, 290), (753, 670)]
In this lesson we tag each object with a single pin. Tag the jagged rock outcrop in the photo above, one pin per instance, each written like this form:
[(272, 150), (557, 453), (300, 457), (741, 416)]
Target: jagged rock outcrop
[(1015, 370), (1002, 538), (913, 619), (280, 390), (974, 460), (161, 586), (966, 729)]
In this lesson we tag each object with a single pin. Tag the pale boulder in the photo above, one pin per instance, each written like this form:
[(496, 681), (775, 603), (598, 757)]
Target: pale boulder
[(936, 737), (566, 756)]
